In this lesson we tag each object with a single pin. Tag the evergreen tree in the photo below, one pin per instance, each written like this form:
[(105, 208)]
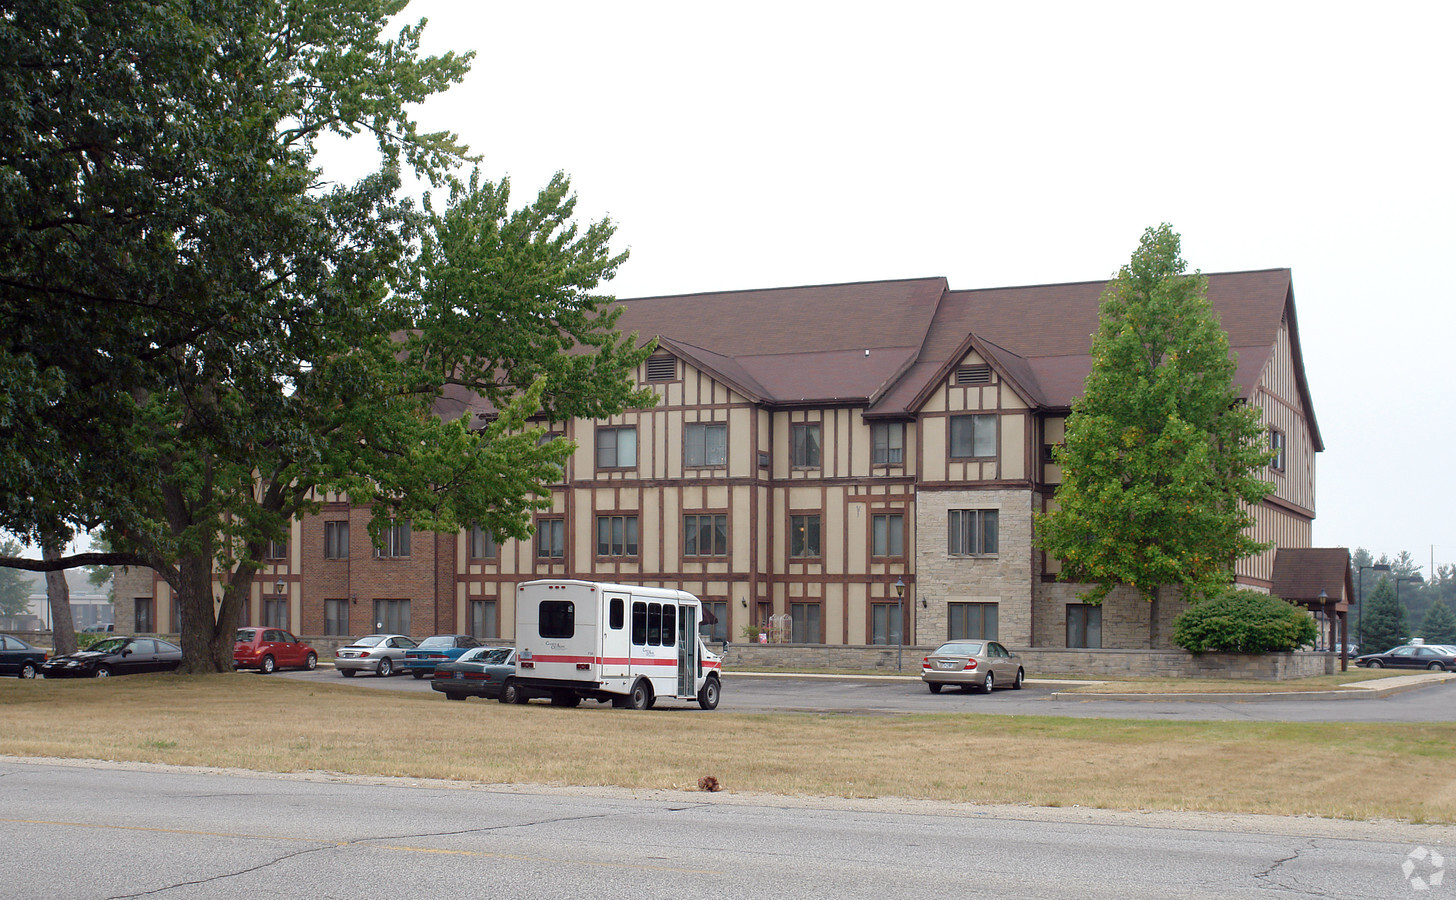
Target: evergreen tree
[(1439, 625), (1161, 460), (1383, 624)]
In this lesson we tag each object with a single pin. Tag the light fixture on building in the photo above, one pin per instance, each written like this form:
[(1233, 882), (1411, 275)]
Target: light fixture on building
[(279, 586)]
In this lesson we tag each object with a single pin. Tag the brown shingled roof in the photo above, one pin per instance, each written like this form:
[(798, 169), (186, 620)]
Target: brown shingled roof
[(1300, 573)]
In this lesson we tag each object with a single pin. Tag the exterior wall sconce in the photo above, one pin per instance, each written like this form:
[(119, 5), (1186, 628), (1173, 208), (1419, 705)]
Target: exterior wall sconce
[(279, 587)]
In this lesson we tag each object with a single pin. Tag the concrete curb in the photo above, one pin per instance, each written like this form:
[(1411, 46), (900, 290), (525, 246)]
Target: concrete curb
[(1357, 691)]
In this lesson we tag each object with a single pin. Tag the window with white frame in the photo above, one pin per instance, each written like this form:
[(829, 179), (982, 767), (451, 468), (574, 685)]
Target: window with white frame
[(617, 447), (972, 437), (887, 443), (705, 444), (1276, 444), (806, 448), (973, 532)]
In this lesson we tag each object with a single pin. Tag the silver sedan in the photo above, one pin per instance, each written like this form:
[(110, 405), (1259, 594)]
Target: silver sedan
[(971, 664), (377, 653)]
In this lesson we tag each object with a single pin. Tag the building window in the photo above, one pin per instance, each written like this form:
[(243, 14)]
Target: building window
[(277, 549), (616, 535), (336, 540), (336, 617), (973, 621), (483, 619), (392, 616), (972, 437), (705, 444), (1276, 444), (396, 540), (974, 532), (275, 612), (550, 538), (887, 444), (806, 445), (714, 626), (885, 627), (1084, 626), (617, 448), (145, 615), (176, 615), (804, 627), (889, 535), (705, 535), (804, 537), (482, 543)]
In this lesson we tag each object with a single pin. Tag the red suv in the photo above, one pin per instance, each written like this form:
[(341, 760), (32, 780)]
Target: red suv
[(268, 649)]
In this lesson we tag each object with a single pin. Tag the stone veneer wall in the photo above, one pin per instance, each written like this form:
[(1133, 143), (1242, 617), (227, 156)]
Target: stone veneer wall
[(1004, 579), (1125, 617)]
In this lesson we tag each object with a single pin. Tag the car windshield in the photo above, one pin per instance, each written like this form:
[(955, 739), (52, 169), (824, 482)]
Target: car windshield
[(962, 648), (245, 636), (371, 640), (497, 656), (437, 642), (110, 645)]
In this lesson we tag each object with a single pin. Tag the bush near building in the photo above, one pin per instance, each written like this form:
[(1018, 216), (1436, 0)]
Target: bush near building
[(1244, 622)]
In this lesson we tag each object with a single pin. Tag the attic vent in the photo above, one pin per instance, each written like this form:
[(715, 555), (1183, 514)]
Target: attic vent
[(973, 375), (661, 368)]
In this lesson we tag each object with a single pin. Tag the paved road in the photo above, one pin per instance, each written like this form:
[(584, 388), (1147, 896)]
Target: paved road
[(93, 830), (895, 696)]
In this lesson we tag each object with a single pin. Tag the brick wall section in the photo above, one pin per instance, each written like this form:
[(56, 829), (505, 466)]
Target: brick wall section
[(1004, 579)]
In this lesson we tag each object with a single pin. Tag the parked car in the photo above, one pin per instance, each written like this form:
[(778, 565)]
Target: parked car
[(479, 672), (381, 654), (968, 664), (115, 656), (19, 658), (99, 629), (436, 649), (1411, 656), (269, 649)]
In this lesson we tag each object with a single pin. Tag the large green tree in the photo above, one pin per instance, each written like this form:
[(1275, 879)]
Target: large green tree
[(1161, 459), (199, 337), (1383, 624), (1438, 626)]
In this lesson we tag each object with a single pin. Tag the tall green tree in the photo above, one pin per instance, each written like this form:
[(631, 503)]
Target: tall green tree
[(14, 587), (241, 338), (1439, 625), (1162, 460), (1383, 624)]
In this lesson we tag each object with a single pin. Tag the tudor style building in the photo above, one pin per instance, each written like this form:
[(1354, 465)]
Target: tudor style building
[(812, 447)]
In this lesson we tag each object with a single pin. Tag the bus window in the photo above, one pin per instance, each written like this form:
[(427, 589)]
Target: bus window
[(616, 614), (669, 625), (654, 624), (557, 619), (639, 623)]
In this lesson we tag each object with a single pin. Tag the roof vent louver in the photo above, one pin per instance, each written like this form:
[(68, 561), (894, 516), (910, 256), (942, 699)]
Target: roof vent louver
[(973, 375), (661, 368)]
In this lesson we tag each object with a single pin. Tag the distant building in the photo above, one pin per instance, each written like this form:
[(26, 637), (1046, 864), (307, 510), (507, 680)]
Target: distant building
[(813, 447), (90, 604)]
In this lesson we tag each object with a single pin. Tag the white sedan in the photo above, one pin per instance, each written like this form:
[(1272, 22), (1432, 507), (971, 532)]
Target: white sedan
[(377, 653)]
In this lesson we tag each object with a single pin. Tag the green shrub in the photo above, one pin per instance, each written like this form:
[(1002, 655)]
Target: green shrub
[(1244, 622)]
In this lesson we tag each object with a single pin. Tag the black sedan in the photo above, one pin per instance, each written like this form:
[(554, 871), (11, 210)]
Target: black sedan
[(115, 656), (19, 658), (481, 672), (1411, 656)]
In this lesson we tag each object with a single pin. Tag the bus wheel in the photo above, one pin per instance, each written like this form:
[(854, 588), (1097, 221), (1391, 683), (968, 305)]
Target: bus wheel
[(708, 696), (641, 696)]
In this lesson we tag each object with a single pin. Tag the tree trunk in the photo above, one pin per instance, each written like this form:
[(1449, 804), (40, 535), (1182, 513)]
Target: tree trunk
[(63, 629), (203, 650)]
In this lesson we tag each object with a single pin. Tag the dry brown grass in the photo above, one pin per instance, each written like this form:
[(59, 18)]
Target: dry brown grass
[(1234, 686), (281, 725)]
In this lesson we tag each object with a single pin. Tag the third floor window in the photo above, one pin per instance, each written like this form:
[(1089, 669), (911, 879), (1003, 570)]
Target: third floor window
[(806, 445), (616, 448), (705, 444), (887, 443), (972, 436)]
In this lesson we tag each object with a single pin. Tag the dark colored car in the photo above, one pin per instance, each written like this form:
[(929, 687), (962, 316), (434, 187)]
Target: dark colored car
[(436, 649), (1411, 656), (19, 658), (481, 672), (269, 649), (115, 656)]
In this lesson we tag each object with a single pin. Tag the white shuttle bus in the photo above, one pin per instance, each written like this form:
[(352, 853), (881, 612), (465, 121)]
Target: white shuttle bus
[(622, 643)]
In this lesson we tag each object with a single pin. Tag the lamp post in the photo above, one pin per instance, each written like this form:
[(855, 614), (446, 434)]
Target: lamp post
[(899, 623), (1417, 578), (1360, 600)]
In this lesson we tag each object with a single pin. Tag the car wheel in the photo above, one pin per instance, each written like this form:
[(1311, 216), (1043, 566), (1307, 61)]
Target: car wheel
[(708, 696), (386, 668), (935, 687), (347, 673), (1020, 679), (990, 684), (27, 670), (418, 673), (269, 664), (1436, 666), (102, 672), (641, 696), (312, 662), (510, 693), (1374, 664)]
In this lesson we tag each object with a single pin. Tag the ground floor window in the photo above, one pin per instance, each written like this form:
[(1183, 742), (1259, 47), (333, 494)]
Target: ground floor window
[(805, 627), (1084, 626), (145, 618), (483, 619), (974, 621), (275, 613), (336, 617), (392, 616), (176, 623), (886, 623), (714, 626)]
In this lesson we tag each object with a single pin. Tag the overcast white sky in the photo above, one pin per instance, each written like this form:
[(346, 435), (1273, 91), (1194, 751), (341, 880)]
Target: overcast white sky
[(754, 145)]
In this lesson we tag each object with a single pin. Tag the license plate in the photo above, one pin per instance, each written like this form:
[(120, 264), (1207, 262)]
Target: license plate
[(946, 665), (459, 676)]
